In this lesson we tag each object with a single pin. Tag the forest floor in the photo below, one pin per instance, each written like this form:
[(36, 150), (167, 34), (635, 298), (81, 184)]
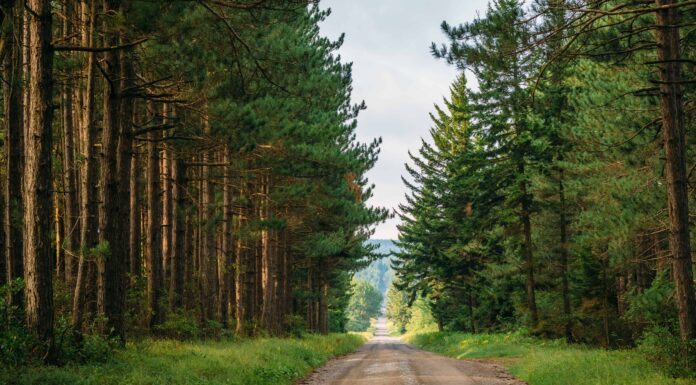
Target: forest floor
[(542, 362), (389, 361), (262, 361)]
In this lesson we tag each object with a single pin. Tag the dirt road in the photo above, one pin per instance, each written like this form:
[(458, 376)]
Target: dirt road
[(389, 361)]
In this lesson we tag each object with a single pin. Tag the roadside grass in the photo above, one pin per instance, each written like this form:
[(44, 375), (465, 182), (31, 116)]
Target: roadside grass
[(541, 362), (264, 361)]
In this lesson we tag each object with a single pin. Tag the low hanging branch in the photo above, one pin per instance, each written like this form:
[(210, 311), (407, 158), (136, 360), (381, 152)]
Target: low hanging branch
[(98, 49)]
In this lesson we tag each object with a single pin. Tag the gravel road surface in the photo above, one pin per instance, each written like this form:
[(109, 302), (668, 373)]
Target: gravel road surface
[(389, 361)]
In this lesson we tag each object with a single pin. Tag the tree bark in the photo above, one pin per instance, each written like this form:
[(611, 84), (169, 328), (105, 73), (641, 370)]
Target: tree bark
[(227, 250), (208, 252), (88, 190), (565, 292), (134, 241), (167, 215), (181, 204), (269, 317), (245, 276), (527, 248), (154, 234), (70, 197), (37, 178), (14, 149), (674, 138), (323, 308)]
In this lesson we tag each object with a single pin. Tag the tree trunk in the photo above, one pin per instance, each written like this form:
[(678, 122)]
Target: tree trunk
[(167, 214), (227, 250), (565, 292), (134, 241), (166, 201), (37, 178), (181, 204), (266, 259), (14, 150), (527, 248), (208, 252), (674, 138), (246, 265), (240, 281), (323, 308), (154, 233), (71, 218), (189, 259), (111, 267), (88, 190), (124, 158), (605, 303), (200, 266)]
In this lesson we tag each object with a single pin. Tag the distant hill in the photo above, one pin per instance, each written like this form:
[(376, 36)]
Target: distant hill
[(380, 273)]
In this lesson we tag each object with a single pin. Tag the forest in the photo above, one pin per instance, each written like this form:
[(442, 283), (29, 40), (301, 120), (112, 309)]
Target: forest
[(175, 169), (185, 198), (555, 192)]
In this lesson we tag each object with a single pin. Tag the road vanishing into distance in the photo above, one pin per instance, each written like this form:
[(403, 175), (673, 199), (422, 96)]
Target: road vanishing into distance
[(386, 360)]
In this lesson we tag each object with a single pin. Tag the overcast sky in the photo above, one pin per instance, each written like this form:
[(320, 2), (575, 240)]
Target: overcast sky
[(388, 42)]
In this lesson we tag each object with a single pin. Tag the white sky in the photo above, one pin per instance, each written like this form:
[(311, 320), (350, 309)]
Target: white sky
[(388, 42)]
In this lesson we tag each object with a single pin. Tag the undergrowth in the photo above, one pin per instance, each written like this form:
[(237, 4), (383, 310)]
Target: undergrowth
[(544, 362), (264, 361)]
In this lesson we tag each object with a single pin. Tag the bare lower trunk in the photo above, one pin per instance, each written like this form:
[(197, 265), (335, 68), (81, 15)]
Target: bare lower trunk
[(154, 234), (246, 266), (88, 190), (167, 214), (70, 183), (323, 308), (527, 250), (179, 196), (208, 253), (674, 137), (37, 178), (226, 254), (565, 293), (134, 241), (14, 151), (111, 268)]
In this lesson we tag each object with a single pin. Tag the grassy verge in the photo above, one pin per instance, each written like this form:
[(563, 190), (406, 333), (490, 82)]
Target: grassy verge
[(549, 362), (246, 362)]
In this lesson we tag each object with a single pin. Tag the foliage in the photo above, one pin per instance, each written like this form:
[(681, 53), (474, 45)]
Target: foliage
[(180, 326), (365, 304), (16, 343), (538, 201), (398, 312), (664, 349)]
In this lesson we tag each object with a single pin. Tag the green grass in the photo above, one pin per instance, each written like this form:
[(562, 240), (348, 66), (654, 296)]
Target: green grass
[(247, 362), (542, 362)]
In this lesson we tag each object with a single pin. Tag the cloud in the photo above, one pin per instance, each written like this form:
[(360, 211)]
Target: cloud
[(388, 42)]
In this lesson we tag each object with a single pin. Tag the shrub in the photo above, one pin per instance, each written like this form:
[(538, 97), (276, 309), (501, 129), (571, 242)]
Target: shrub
[(180, 326), (295, 325), (667, 351), (16, 343)]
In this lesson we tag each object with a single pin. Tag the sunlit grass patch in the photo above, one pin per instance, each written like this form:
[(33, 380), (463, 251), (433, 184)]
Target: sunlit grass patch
[(543, 362), (266, 361)]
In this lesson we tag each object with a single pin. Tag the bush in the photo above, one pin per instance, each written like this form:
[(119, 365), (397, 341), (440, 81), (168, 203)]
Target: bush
[(180, 326), (16, 343), (668, 352), (295, 325)]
